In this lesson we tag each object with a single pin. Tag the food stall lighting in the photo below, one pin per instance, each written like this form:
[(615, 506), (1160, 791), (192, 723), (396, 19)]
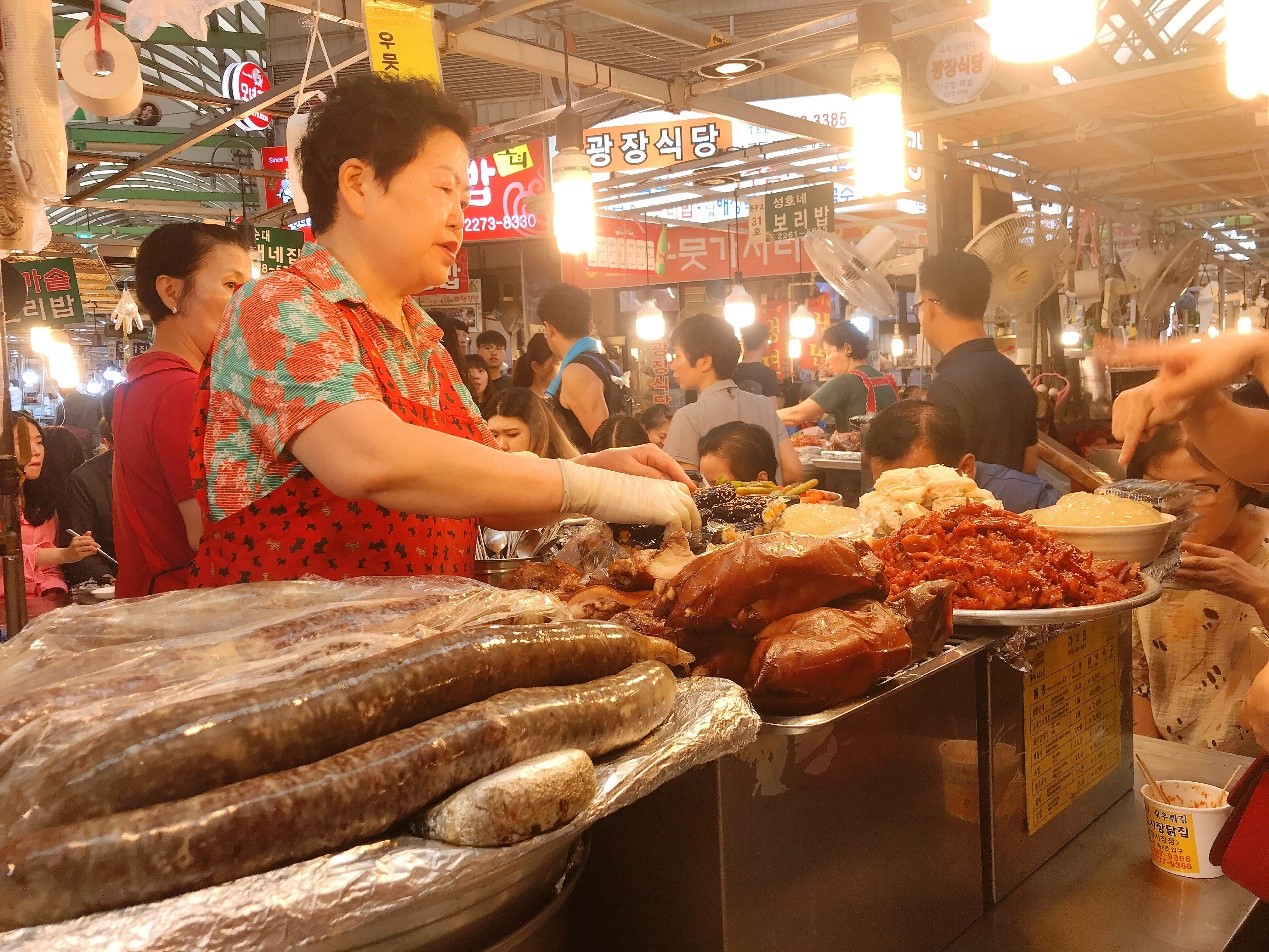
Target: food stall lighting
[(93, 387), (634, 353), (863, 323), (30, 378), (738, 309), (63, 366), (1071, 337), (572, 188), (876, 109), (113, 376), (795, 349), (802, 323), (1213, 330), (1244, 324), (1246, 67), (41, 338), (650, 322), (1023, 31), (897, 347)]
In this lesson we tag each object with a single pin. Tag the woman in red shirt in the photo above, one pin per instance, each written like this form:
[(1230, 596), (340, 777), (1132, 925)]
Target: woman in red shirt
[(186, 274)]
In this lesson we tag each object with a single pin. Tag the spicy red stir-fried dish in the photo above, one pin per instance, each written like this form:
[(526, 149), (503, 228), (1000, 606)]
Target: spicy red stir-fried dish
[(1001, 561)]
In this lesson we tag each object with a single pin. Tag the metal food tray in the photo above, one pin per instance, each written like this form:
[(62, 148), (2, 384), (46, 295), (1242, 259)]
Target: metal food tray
[(1017, 618)]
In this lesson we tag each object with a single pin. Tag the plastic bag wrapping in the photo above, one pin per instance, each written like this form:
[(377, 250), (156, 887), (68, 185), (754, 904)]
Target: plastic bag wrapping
[(313, 903), (57, 690), (146, 16)]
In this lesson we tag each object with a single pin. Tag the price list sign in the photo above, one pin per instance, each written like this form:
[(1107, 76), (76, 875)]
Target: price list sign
[(1071, 715)]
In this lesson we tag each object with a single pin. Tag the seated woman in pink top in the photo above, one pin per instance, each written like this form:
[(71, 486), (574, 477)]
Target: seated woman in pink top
[(38, 507)]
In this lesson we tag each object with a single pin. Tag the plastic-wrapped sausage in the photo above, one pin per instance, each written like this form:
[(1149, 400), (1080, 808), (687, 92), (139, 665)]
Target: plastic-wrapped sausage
[(186, 748), (282, 818)]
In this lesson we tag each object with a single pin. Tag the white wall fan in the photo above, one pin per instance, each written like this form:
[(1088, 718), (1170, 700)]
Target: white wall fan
[(1159, 280), (1027, 257), (856, 271)]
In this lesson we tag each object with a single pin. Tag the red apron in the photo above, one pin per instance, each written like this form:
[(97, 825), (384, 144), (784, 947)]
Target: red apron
[(872, 383), (302, 528)]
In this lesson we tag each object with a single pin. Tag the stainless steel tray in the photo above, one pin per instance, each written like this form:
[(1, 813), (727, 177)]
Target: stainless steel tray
[(1056, 616)]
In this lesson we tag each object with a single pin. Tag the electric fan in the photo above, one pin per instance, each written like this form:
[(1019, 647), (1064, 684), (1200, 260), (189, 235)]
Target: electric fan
[(855, 270), (1025, 253)]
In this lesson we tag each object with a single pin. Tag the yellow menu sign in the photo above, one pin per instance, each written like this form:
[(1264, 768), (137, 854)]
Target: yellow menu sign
[(1071, 717), (401, 40)]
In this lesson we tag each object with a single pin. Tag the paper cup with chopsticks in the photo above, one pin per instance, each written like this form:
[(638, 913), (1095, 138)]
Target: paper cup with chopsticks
[(1182, 830)]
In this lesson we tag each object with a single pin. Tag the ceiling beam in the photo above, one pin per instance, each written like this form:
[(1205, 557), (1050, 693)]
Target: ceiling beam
[(487, 13), (200, 133)]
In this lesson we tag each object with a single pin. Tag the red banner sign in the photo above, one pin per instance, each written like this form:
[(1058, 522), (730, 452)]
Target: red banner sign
[(691, 254), (277, 191), (501, 186), (459, 278)]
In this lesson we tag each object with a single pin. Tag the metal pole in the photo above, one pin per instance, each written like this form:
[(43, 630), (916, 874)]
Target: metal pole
[(10, 487)]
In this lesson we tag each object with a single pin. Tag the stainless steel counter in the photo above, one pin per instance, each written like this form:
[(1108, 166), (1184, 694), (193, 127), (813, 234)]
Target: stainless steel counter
[(1101, 892)]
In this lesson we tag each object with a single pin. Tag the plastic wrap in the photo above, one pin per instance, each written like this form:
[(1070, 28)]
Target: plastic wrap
[(430, 884), (146, 16), (57, 689)]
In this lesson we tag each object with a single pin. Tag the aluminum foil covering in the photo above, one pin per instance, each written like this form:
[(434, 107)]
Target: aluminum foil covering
[(312, 905)]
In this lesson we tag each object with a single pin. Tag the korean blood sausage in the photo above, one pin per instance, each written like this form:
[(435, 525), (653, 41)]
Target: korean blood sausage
[(285, 817)]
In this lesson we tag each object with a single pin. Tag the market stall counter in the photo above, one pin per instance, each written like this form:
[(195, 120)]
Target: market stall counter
[(1102, 892)]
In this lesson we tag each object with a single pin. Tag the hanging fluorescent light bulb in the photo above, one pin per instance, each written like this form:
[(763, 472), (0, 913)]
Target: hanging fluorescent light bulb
[(897, 347), (738, 308), (1071, 337), (795, 349), (650, 322), (572, 188), (41, 338), (1024, 31), (802, 323), (1246, 66), (880, 152)]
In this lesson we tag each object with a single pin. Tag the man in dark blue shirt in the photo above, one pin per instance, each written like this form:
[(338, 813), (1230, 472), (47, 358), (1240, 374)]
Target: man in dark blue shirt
[(916, 433), (990, 394)]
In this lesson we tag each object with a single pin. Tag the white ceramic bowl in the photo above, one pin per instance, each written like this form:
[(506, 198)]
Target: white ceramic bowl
[(1141, 544)]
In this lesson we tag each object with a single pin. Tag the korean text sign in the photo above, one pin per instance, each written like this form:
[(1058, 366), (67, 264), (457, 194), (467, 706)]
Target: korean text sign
[(278, 247), (502, 186), (52, 291), (656, 144)]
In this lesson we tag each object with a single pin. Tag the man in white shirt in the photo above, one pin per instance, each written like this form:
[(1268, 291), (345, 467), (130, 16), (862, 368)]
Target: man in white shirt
[(706, 352)]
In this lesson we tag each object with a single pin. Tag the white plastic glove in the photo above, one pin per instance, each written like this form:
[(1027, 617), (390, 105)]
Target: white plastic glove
[(625, 499)]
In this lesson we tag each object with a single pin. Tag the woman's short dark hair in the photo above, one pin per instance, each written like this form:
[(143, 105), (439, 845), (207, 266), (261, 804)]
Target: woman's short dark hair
[(618, 430), (846, 336), (177, 250), (657, 415), (896, 430), (1168, 440), (63, 454), (747, 448), (536, 351), (959, 281), (567, 308), (384, 122), (704, 335)]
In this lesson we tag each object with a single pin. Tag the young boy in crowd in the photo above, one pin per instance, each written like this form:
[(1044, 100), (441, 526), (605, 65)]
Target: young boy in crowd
[(492, 347)]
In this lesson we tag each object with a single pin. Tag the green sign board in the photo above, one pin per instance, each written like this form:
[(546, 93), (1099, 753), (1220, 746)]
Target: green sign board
[(277, 247), (793, 214), (52, 292)]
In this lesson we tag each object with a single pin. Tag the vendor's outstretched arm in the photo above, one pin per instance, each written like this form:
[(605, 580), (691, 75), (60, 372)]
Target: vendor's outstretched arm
[(1232, 437), (364, 451), (804, 414)]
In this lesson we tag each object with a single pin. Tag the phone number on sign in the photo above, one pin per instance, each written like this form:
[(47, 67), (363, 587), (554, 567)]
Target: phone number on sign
[(489, 223)]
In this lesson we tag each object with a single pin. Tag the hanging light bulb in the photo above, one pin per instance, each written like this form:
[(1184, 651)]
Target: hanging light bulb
[(1023, 31), (41, 338), (1246, 67), (1213, 330), (30, 378), (1071, 336), (1245, 323), (862, 323), (876, 110), (795, 349), (572, 188), (93, 387), (63, 366), (897, 347), (650, 322), (802, 323), (738, 308)]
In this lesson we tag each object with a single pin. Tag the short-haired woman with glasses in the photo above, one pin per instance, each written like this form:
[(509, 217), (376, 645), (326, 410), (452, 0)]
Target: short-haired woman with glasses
[(1191, 649)]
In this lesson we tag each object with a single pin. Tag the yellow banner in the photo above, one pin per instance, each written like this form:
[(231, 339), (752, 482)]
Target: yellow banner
[(401, 40)]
